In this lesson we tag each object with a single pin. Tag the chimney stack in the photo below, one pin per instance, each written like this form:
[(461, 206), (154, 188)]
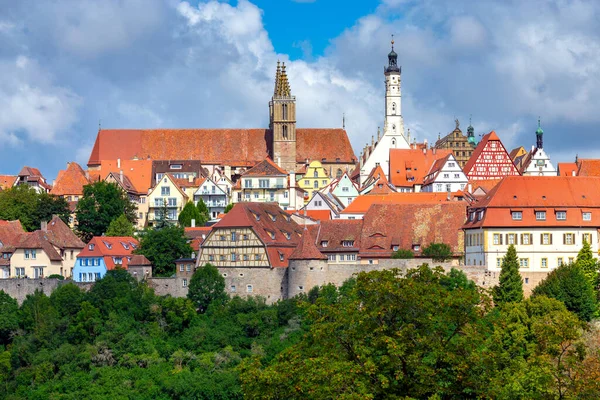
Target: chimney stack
[(118, 163), (44, 226), (193, 223), (121, 176)]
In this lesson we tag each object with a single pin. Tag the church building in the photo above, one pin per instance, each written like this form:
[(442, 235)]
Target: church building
[(393, 128)]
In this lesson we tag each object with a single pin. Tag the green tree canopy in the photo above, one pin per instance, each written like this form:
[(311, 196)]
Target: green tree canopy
[(206, 287), (402, 254), (102, 202), (588, 264), (162, 247), (204, 214), (30, 207), (510, 287), (120, 226), (569, 284), (228, 208), (438, 252), (9, 321), (190, 212)]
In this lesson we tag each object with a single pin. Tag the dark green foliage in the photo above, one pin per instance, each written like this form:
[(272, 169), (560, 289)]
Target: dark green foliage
[(9, 321), (56, 276), (403, 254), (162, 217), (207, 287), (204, 214), (569, 284), (162, 247), (31, 208), (228, 208), (438, 252), (588, 264), (190, 212), (102, 202), (120, 226), (510, 287)]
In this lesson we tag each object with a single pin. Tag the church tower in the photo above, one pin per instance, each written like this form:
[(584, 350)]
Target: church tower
[(394, 124), (282, 113)]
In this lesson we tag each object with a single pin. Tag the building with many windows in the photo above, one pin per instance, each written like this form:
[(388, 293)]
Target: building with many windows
[(313, 180), (213, 195), (166, 195), (101, 254), (490, 160), (445, 175), (461, 146), (546, 218)]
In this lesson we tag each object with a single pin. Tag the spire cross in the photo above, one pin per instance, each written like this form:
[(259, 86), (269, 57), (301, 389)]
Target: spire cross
[(392, 41)]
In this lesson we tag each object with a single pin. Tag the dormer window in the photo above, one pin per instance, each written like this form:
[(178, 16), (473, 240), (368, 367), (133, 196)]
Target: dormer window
[(287, 235), (324, 243), (271, 234), (280, 256), (108, 245), (91, 246), (273, 217), (176, 166), (348, 243), (125, 246)]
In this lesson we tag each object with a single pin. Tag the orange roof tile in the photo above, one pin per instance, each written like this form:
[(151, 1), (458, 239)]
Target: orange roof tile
[(306, 249), (362, 203), (265, 168), (408, 167), (109, 247), (239, 147), (70, 181), (139, 172), (488, 143), (588, 167), (317, 215), (567, 169), (529, 194), (7, 181)]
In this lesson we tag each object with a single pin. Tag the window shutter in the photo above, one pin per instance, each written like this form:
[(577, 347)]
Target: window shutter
[(564, 238), (541, 238), (531, 238), (573, 236), (507, 238), (521, 237), (550, 238), (500, 238)]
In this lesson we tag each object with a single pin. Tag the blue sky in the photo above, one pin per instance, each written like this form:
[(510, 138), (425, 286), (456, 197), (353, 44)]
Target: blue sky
[(66, 64)]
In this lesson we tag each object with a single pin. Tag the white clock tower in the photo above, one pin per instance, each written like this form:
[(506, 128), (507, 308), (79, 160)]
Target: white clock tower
[(394, 124)]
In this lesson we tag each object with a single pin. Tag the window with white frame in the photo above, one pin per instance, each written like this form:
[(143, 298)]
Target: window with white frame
[(587, 216), (181, 267), (517, 215), (348, 243), (165, 191), (232, 288), (324, 243), (249, 288), (544, 262), (524, 262), (546, 238), (559, 262), (561, 215), (569, 238), (184, 282), (188, 268), (540, 215)]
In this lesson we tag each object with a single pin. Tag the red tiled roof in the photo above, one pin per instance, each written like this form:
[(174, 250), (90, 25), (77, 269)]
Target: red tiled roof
[(331, 235), (306, 249), (567, 169), (265, 168), (485, 184), (317, 215), (70, 181), (139, 260), (138, 172), (39, 240), (481, 148), (435, 169), (7, 181), (408, 167), (405, 225), (29, 171), (589, 167), (108, 247), (238, 147), (10, 233), (362, 203), (529, 194)]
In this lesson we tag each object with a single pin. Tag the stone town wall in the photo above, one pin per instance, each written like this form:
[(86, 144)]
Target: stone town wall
[(270, 283), (20, 288), (169, 286)]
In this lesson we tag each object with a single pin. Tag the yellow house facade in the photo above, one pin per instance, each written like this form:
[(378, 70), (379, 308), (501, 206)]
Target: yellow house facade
[(314, 180), (166, 191)]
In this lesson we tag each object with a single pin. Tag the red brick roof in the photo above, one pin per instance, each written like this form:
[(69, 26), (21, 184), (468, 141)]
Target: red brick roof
[(239, 147), (10, 233), (408, 167), (109, 247), (406, 225), (7, 181), (265, 168), (306, 249), (481, 148), (70, 181), (30, 171), (588, 167), (567, 169), (362, 203), (529, 194), (332, 234), (138, 172), (139, 260)]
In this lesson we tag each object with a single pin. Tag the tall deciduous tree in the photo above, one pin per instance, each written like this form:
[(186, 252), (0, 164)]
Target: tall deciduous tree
[(207, 286), (204, 214), (438, 251), (162, 247), (190, 212), (569, 284), (30, 207), (510, 288), (120, 226), (588, 264), (9, 321), (102, 202)]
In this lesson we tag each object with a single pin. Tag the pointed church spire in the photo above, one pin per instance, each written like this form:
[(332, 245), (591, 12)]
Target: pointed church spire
[(282, 86), (539, 134)]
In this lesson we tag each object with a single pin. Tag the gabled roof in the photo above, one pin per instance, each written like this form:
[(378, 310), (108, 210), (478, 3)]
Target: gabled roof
[(139, 172), (491, 137), (406, 225), (173, 181), (62, 236), (588, 167), (126, 184), (436, 168), (29, 171), (237, 147), (362, 203), (567, 169), (70, 181), (10, 234), (306, 249), (516, 152), (265, 168), (39, 240), (7, 181), (331, 235), (139, 260), (408, 167), (110, 246)]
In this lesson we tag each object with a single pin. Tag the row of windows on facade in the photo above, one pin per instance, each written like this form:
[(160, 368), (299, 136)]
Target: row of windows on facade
[(264, 184), (439, 186), (169, 201), (345, 243), (315, 183), (38, 272), (95, 262), (234, 236), (234, 257), (524, 262), (539, 215), (257, 196), (89, 276), (108, 245), (525, 239)]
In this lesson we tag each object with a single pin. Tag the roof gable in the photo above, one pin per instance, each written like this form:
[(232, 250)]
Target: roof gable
[(265, 168), (490, 146), (70, 181), (408, 167)]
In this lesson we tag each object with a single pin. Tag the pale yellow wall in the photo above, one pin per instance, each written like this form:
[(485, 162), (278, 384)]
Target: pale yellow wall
[(42, 260), (215, 247), (156, 193), (307, 182)]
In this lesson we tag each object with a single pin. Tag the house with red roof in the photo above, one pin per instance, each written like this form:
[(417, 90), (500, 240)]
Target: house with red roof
[(490, 160), (408, 167), (167, 194), (69, 185), (343, 188), (445, 175), (33, 178), (11, 233), (547, 218), (104, 253), (7, 181)]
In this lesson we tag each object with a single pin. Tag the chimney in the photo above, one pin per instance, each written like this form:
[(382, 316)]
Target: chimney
[(121, 176), (118, 163), (425, 142), (573, 173), (193, 223), (190, 178), (228, 172), (425, 150), (448, 196), (44, 226), (470, 188), (433, 150)]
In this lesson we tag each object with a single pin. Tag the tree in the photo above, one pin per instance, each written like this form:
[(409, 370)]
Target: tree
[(207, 286), (588, 264), (162, 247), (510, 287), (204, 214), (402, 254), (569, 284), (120, 226), (49, 205), (161, 219), (190, 212), (102, 202), (228, 208), (438, 252), (30, 207), (9, 321)]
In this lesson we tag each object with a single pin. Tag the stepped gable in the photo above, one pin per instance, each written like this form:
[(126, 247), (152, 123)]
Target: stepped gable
[(70, 181), (407, 225), (237, 147), (306, 249)]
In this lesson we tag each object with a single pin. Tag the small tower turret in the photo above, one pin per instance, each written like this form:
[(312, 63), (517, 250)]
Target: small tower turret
[(471, 134), (282, 121), (539, 135)]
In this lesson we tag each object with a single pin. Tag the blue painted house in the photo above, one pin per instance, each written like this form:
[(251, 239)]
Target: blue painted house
[(102, 254)]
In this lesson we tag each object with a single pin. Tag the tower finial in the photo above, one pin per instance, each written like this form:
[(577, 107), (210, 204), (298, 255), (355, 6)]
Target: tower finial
[(99, 125), (392, 42), (539, 134), (344, 120)]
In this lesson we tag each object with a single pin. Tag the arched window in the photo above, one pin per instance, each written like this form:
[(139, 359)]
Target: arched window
[(315, 174), (393, 142), (285, 112), (393, 108), (339, 173), (285, 131), (316, 184), (394, 128)]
